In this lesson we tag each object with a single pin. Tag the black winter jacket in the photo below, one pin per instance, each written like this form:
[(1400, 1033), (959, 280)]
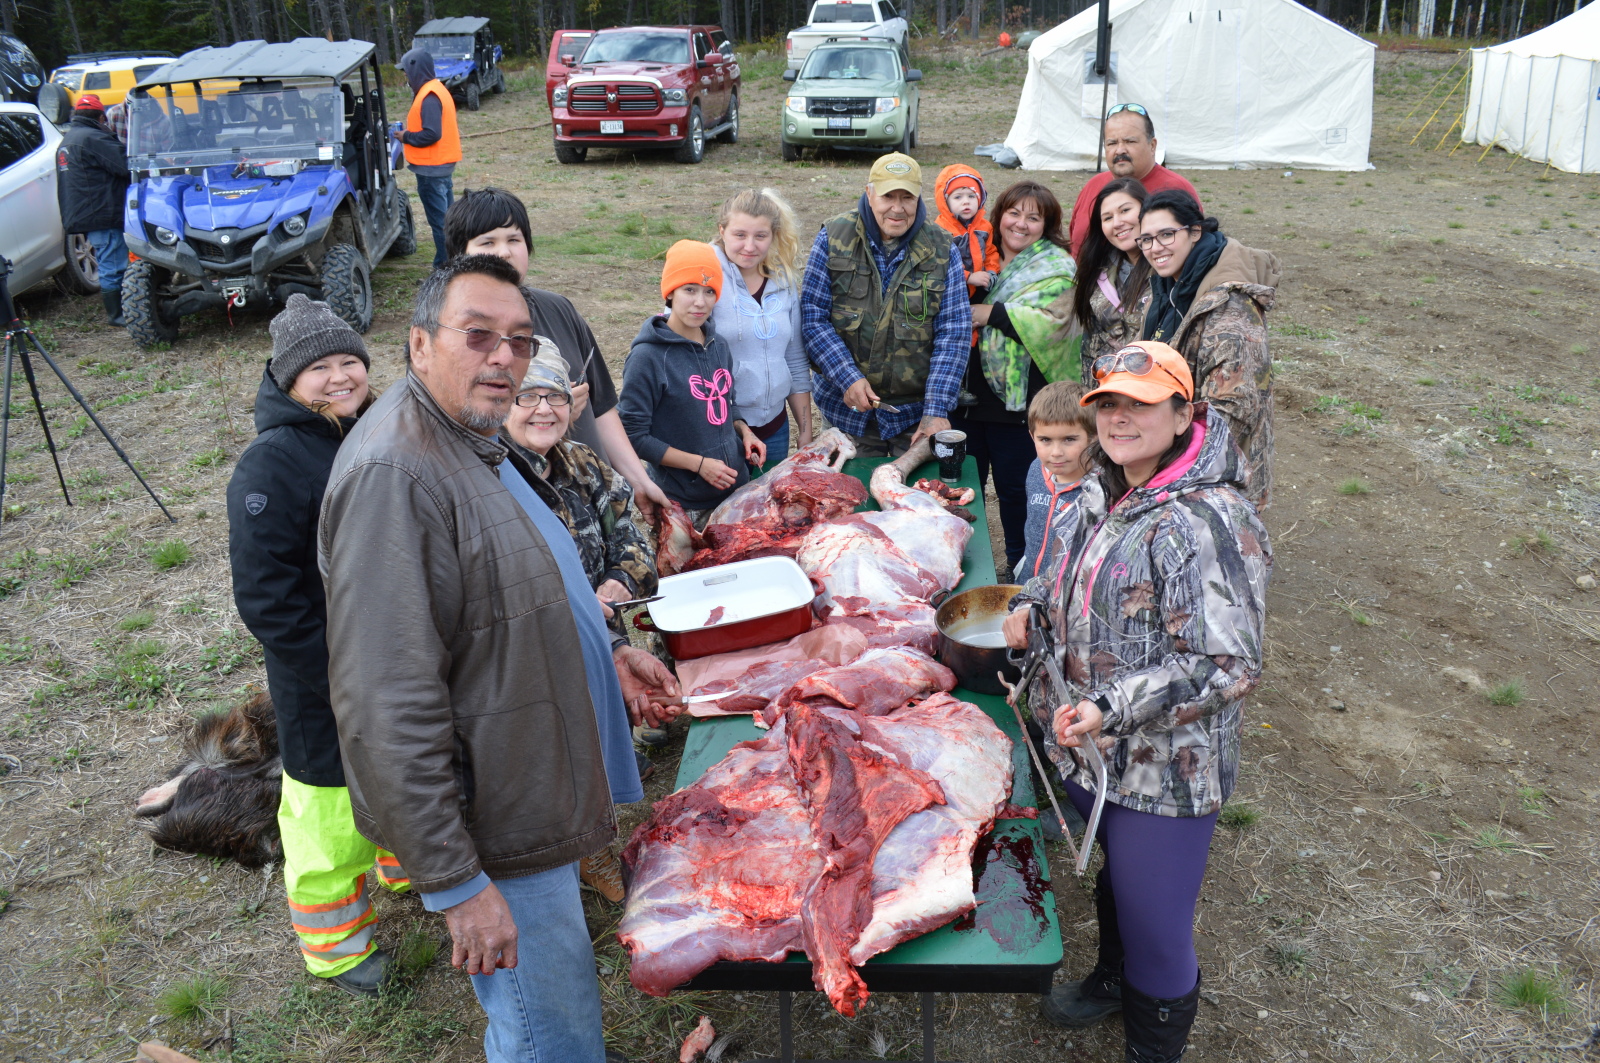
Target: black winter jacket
[(274, 500), (91, 178)]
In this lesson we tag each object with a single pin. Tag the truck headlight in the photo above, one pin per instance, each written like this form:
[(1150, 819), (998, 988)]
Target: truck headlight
[(795, 103), (674, 95), (887, 103), (295, 226), (165, 237), (559, 97)]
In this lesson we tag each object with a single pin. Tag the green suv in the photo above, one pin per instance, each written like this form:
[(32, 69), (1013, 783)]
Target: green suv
[(851, 93)]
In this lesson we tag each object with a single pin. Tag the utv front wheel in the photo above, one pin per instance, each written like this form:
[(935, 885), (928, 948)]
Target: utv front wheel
[(406, 242), (149, 322), (347, 285), (570, 153), (474, 99)]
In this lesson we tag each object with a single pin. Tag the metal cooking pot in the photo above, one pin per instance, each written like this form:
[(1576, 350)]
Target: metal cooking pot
[(969, 642)]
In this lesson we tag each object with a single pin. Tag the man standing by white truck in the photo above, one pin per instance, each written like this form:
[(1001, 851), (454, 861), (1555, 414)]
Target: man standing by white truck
[(845, 19)]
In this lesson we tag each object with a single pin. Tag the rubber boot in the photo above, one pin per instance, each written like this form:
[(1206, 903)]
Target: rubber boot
[(1100, 994), (1157, 1030), (112, 301), (366, 978)]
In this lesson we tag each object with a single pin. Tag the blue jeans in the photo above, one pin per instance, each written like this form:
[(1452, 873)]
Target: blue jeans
[(547, 1008), (436, 193), (110, 256)]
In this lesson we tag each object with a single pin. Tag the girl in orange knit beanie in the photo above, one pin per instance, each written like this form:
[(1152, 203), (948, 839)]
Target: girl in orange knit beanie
[(677, 390)]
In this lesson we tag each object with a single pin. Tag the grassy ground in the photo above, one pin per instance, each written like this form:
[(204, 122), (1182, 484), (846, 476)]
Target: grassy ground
[(1409, 870)]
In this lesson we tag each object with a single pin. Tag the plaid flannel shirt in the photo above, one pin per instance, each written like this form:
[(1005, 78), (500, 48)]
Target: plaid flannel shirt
[(836, 368)]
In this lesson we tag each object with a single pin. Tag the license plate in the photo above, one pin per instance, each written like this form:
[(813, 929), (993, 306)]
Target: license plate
[(613, 126), (839, 123)]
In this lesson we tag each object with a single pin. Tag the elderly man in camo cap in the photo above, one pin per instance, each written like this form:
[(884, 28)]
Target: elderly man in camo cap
[(885, 315)]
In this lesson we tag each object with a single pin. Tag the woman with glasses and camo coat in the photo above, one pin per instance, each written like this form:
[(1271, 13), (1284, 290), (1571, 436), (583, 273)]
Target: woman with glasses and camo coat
[(1209, 297)]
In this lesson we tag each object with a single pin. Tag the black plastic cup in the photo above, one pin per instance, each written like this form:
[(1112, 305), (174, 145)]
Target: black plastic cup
[(950, 447)]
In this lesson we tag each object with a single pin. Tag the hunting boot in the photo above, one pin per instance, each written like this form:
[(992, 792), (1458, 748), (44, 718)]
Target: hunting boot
[(1157, 1031), (366, 978), (1099, 995), (602, 872), (112, 301)]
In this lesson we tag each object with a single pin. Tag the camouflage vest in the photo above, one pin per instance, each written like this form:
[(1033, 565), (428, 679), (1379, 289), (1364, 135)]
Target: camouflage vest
[(890, 334)]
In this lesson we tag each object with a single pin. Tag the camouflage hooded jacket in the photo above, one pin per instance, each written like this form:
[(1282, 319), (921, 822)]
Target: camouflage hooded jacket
[(1161, 604), (1224, 339), (597, 507), (1111, 329)]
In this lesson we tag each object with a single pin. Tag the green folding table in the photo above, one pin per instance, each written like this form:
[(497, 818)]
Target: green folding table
[(1010, 944)]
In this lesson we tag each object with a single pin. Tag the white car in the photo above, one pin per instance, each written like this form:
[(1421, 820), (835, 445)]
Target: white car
[(30, 216), (846, 20)]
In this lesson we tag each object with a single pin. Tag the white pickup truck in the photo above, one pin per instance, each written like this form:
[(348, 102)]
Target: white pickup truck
[(846, 19)]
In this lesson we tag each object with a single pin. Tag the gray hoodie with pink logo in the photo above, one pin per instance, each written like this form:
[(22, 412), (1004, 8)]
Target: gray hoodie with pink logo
[(678, 393)]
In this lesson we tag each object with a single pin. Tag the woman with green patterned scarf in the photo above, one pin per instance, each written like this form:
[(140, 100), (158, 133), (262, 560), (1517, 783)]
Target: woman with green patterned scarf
[(1022, 344)]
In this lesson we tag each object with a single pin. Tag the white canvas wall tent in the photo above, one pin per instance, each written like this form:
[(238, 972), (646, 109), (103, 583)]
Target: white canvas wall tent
[(1229, 84), (1539, 96)]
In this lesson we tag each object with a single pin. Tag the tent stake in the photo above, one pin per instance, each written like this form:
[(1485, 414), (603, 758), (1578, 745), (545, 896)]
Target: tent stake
[(1442, 102), (1447, 132)]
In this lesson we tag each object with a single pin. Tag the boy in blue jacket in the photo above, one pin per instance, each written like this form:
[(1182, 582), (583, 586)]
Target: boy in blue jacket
[(1062, 431)]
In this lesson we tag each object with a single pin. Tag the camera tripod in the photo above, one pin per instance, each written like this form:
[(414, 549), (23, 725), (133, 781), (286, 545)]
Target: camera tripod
[(21, 346)]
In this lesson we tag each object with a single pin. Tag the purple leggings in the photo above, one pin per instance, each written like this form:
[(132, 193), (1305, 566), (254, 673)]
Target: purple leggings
[(1155, 865)]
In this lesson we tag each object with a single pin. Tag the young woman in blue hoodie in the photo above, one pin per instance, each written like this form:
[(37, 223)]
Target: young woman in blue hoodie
[(677, 390), (758, 245)]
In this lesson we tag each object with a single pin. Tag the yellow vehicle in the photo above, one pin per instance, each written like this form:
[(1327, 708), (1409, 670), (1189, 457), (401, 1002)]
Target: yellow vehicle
[(108, 75)]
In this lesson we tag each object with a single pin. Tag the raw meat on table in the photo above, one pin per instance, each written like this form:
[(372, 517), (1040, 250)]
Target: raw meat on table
[(838, 833), (771, 514), (877, 682), (676, 539), (720, 869), (856, 796), (760, 685)]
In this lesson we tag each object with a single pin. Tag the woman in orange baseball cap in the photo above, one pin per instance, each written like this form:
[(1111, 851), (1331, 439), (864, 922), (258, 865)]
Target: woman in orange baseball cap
[(1159, 601)]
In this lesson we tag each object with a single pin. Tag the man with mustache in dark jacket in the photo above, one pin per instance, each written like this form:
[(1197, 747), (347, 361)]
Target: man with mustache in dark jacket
[(1130, 152)]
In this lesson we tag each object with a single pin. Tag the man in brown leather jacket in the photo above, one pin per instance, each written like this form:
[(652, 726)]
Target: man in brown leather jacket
[(458, 613)]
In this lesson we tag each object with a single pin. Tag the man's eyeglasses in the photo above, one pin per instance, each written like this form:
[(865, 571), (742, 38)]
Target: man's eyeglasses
[(1164, 237), (487, 341), (531, 399), (1136, 108)]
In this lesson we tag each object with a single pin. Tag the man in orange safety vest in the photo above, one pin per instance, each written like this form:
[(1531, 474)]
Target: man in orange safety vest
[(431, 142)]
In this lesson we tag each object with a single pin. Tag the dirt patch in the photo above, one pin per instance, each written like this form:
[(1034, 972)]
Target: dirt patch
[(1416, 820)]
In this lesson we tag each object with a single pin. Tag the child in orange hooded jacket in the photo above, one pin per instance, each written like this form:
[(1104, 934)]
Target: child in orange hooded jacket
[(961, 195)]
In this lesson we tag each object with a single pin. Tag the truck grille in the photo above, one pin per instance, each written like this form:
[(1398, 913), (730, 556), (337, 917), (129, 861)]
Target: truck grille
[(824, 131), (588, 99), (631, 99), (823, 107)]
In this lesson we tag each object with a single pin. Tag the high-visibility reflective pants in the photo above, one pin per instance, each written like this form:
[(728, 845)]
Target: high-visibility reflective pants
[(325, 864)]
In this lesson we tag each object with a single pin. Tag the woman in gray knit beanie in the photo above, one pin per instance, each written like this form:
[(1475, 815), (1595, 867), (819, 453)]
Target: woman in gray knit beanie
[(314, 356), (312, 390)]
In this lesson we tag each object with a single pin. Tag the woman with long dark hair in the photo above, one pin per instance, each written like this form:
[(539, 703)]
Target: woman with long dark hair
[(1209, 298), (1022, 346), (1158, 602), (1113, 292)]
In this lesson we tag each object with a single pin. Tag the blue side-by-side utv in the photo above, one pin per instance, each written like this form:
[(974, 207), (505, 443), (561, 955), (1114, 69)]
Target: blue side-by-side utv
[(465, 57), (260, 170)]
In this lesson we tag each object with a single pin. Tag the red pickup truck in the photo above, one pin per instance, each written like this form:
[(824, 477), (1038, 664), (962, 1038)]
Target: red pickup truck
[(643, 87)]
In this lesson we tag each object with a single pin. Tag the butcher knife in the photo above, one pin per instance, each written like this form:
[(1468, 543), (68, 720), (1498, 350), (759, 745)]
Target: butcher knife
[(885, 407), (697, 699)]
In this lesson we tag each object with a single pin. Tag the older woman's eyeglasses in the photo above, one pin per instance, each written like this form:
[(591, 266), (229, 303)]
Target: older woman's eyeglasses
[(1164, 237), (531, 399)]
